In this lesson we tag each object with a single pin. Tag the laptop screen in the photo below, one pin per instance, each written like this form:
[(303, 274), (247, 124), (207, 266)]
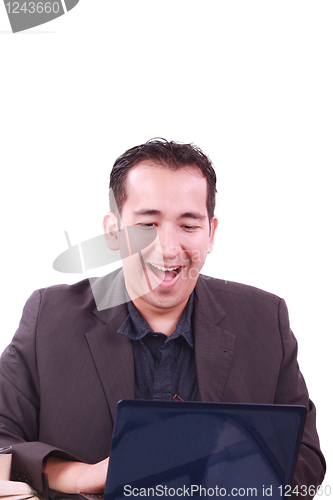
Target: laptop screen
[(162, 448)]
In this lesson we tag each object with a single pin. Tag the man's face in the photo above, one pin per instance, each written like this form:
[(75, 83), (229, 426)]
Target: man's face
[(173, 202)]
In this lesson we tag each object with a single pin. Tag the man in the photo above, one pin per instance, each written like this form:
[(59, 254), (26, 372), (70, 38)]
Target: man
[(174, 334)]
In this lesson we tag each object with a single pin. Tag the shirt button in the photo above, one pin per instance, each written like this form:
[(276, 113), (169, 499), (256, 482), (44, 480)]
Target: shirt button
[(155, 335)]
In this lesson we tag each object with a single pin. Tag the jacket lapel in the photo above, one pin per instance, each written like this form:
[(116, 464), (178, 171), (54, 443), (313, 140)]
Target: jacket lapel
[(214, 346), (112, 353)]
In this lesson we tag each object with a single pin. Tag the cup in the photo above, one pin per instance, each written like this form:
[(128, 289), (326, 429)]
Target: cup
[(5, 466)]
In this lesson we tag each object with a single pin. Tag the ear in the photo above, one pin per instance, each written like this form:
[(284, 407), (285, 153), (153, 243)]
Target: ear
[(213, 226), (111, 228)]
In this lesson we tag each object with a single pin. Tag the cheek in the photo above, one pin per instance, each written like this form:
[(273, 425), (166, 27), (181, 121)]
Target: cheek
[(132, 265), (198, 257)]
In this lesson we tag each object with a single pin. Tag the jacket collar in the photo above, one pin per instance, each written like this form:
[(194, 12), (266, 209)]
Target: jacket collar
[(214, 346), (112, 353)]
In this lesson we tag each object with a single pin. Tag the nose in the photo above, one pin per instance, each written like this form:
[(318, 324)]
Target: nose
[(168, 243)]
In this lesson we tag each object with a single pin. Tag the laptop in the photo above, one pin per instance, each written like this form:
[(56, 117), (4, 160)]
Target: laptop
[(183, 449)]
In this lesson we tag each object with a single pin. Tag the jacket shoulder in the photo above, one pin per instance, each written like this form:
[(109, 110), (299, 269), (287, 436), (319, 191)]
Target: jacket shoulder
[(225, 287), (79, 288)]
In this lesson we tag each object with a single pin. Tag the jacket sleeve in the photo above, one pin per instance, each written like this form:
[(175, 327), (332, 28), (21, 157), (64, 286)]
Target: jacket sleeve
[(20, 403), (291, 389)]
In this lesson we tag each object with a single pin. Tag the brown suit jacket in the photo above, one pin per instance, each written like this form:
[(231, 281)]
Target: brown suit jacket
[(67, 367)]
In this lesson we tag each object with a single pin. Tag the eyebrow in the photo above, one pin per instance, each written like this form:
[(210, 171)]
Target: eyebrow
[(185, 215), (193, 215), (146, 211)]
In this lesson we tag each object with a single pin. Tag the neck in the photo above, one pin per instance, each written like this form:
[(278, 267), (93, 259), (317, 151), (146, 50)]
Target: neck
[(161, 320)]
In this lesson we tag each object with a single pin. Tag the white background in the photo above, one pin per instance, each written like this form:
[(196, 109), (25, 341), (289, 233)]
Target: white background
[(250, 82)]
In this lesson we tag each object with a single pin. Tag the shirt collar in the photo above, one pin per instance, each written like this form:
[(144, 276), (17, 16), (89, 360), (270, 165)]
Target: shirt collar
[(136, 327)]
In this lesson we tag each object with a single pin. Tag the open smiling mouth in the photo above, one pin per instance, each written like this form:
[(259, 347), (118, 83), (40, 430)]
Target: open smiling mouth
[(165, 273)]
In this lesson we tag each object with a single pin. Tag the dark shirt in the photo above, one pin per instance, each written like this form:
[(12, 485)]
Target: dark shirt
[(164, 366)]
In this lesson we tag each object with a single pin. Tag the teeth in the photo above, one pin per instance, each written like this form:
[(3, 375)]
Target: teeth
[(161, 268)]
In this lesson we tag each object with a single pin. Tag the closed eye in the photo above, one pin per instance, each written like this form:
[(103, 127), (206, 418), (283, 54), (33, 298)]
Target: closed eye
[(147, 225), (190, 228)]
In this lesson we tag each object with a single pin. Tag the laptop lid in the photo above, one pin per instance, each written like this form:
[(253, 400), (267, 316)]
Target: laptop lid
[(162, 448)]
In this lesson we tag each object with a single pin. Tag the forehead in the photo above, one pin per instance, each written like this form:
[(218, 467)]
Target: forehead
[(154, 181)]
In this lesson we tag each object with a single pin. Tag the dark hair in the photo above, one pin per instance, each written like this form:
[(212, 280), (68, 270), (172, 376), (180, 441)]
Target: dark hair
[(171, 154)]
